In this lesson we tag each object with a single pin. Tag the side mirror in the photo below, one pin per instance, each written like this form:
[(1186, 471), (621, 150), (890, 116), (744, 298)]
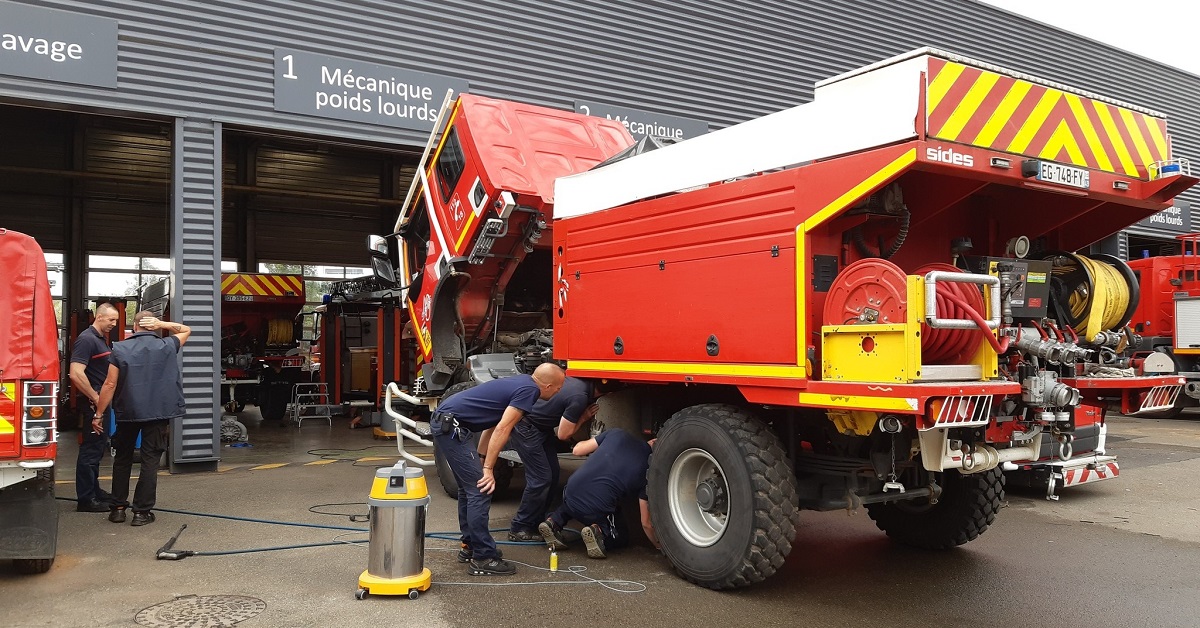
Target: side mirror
[(381, 264), (377, 245)]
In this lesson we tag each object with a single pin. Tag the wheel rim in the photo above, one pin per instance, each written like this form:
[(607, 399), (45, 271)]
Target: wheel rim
[(698, 495)]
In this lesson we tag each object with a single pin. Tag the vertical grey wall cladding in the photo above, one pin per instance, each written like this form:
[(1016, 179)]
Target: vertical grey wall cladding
[(196, 215)]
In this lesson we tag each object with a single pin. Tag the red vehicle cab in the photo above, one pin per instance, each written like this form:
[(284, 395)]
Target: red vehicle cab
[(29, 370)]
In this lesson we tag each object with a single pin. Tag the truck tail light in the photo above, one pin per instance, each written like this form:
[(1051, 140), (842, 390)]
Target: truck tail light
[(39, 407)]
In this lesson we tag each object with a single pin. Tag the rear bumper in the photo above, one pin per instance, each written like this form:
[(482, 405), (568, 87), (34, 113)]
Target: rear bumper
[(29, 518), (1058, 474), (1087, 470)]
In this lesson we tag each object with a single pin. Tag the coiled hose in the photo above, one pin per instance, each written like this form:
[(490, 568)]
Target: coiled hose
[(954, 300), (279, 331), (1098, 278)]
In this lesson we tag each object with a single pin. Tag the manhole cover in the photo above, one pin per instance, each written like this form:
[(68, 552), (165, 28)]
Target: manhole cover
[(201, 611)]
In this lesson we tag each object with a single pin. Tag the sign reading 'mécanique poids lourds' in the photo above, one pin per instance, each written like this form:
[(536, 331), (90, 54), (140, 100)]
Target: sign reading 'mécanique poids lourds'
[(55, 45), (346, 89)]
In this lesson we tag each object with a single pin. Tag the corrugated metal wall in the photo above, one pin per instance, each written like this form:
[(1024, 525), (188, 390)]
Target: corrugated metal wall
[(196, 213), (718, 62)]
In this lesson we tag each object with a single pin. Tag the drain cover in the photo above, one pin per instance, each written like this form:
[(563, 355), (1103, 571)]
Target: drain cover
[(201, 611)]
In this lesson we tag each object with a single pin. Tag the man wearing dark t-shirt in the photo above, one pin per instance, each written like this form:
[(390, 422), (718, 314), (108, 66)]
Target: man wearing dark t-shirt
[(615, 469), (536, 440), (89, 366), (497, 404)]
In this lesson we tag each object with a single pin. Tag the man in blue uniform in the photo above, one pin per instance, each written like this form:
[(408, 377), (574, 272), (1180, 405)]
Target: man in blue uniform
[(89, 366), (497, 404), (536, 441), (615, 469), (145, 387)]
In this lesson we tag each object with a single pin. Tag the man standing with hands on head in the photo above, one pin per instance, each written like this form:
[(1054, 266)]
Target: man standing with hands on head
[(89, 366), (145, 387), (497, 404)]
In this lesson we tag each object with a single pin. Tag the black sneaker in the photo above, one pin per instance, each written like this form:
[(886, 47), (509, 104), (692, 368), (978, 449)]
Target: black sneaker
[(593, 539), (117, 515), (552, 534), (491, 567), (464, 553), (142, 518), (524, 536)]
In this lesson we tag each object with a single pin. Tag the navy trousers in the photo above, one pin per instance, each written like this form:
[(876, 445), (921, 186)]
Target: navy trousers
[(538, 448), (612, 524), (473, 506), (91, 452)]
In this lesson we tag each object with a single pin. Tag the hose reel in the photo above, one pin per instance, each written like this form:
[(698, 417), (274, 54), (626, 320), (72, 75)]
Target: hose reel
[(280, 331), (874, 291), (1094, 294)]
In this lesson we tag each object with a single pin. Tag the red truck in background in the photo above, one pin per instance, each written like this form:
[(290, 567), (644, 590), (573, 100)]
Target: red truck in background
[(29, 373), (868, 301), (1167, 319), (258, 331)]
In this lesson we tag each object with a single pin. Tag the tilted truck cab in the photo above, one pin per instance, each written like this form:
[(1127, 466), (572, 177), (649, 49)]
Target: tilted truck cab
[(872, 300), (480, 220), (29, 372)]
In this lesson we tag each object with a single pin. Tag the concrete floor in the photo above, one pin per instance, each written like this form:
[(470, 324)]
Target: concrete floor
[(1118, 553)]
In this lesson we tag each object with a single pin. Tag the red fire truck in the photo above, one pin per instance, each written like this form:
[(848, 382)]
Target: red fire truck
[(258, 330), (1167, 318), (29, 372), (872, 300)]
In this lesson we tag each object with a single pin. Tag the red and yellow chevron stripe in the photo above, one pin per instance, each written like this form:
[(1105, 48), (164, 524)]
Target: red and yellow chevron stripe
[(254, 284), (8, 408), (982, 108)]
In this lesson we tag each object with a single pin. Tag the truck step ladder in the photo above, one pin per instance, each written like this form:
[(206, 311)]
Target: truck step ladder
[(310, 400)]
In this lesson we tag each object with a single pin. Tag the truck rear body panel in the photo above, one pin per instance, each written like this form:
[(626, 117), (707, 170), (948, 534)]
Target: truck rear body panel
[(740, 257)]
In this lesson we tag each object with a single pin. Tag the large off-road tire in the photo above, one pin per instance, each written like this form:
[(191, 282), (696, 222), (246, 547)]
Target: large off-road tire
[(32, 565), (722, 496), (503, 472), (968, 505)]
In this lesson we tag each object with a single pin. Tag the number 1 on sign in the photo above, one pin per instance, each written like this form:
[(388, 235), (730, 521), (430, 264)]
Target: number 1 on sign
[(288, 74)]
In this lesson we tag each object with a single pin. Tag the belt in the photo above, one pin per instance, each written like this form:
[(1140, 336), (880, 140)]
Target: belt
[(448, 424)]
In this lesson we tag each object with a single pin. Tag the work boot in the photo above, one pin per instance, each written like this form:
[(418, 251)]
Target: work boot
[(117, 515), (464, 553), (142, 518), (593, 539), (552, 535), (524, 536), (93, 505), (491, 567)]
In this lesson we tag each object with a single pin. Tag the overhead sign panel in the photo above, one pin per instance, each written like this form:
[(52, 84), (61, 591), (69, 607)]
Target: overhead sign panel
[(642, 123), (1175, 219), (358, 91), (54, 45)]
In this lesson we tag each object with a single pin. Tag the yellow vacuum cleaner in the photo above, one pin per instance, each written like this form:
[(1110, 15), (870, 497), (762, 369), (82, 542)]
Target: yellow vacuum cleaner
[(398, 504)]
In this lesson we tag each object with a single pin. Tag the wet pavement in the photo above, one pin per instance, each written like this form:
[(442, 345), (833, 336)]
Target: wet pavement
[(1119, 553)]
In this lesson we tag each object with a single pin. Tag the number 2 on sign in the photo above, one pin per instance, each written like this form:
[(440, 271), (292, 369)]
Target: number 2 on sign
[(288, 74)]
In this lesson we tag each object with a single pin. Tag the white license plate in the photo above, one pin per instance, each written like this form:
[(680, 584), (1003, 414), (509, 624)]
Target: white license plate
[(1064, 175)]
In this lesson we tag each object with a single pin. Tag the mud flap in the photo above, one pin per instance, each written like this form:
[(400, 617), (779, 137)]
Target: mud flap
[(29, 519)]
